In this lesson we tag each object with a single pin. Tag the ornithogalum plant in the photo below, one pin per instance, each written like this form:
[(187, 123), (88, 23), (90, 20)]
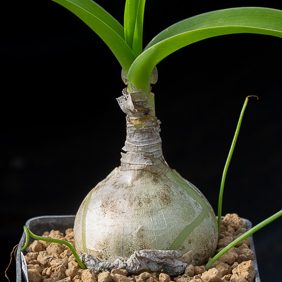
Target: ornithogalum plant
[(221, 252), (144, 204)]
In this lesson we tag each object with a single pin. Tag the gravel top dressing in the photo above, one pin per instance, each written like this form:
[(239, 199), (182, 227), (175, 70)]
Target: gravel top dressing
[(49, 262)]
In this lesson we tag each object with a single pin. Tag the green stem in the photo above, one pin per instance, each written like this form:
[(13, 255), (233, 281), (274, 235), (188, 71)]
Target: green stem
[(29, 233), (242, 237), (228, 161)]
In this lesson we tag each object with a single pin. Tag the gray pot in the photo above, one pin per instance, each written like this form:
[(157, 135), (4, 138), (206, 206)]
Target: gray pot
[(40, 224)]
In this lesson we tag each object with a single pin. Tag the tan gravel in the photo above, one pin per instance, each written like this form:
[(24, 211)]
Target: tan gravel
[(51, 262)]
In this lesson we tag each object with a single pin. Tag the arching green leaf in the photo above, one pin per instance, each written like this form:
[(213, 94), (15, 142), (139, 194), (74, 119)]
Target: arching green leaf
[(104, 25), (222, 22)]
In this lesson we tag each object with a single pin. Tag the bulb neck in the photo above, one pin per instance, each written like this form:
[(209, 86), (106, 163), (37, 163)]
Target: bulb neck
[(143, 145)]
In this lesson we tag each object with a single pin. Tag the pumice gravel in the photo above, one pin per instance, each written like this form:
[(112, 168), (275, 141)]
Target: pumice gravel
[(52, 262)]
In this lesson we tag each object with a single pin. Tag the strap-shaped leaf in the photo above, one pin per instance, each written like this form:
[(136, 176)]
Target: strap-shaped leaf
[(130, 12), (137, 45), (133, 24), (222, 22), (104, 25)]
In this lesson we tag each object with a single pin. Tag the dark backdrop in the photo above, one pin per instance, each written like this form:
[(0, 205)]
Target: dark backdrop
[(62, 130)]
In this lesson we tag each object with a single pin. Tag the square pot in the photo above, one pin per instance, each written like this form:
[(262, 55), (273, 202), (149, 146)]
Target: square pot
[(38, 225)]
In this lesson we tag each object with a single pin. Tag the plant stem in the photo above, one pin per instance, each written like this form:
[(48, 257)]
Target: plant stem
[(29, 233), (244, 236), (229, 159)]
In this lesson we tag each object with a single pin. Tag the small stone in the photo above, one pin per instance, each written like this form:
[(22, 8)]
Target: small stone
[(138, 278), (231, 230), (68, 231), (224, 241), (36, 246), (244, 254), (227, 277), (234, 265), (236, 278), (163, 277), (89, 275), (187, 257), (196, 280), (221, 235), (44, 258), (229, 257), (71, 272), (67, 279), (243, 246), (58, 272), (48, 280), (177, 278), (30, 257), (34, 275), (246, 270), (189, 270), (241, 230), (155, 275), (65, 254), (199, 269), (152, 279), (184, 278), (58, 262), (34, 262), (226, 234), (56, 234), (71, 258), (69, 236), (121, 278), (223, 226), (119, 271), (212, 275), (72, 264), (46, 271), (35, 266), (234, 220), (80, 271), (145, 275), (55, 249), (104, 277), (223, 268)]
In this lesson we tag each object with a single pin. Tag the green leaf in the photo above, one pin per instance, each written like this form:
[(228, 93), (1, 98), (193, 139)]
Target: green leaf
[(104, 25), (137, 45), (133, 24), (242, 237), (222, 22), (129, 21)]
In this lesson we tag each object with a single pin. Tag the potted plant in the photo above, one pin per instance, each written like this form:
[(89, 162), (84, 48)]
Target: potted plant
[(143, 164)]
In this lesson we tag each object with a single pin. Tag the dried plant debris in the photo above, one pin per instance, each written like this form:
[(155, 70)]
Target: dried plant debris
[(51, 262), (152, 260)]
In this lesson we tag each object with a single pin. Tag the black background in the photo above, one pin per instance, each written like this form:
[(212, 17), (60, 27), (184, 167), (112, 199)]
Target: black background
[(62, 130)]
